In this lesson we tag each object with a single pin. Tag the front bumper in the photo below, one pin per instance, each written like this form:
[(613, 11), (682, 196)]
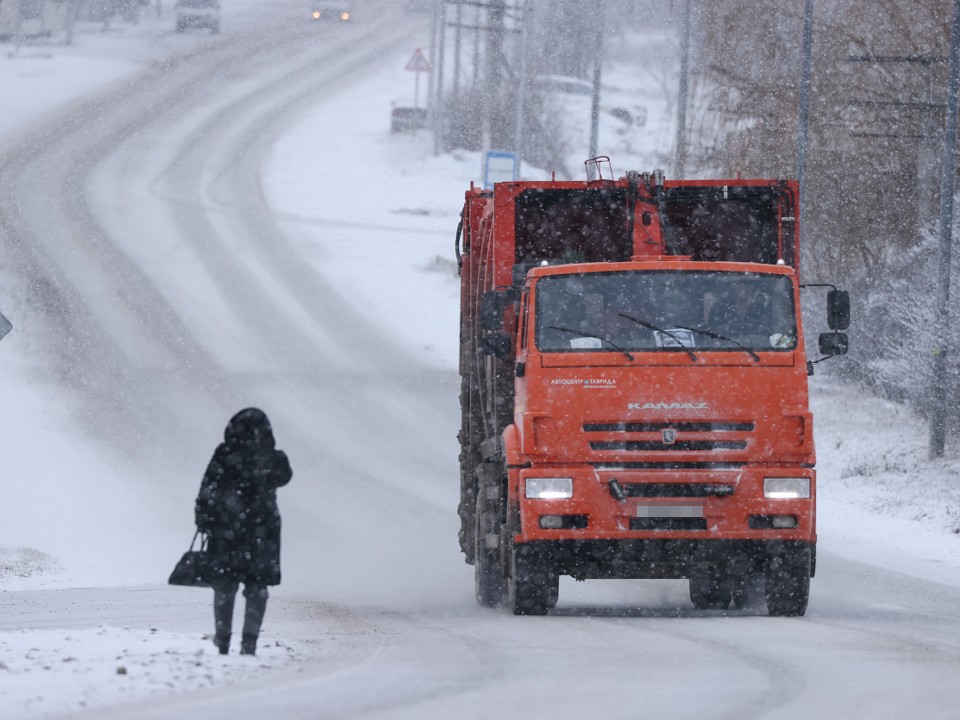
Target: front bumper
[(659, 558), (690, 503)]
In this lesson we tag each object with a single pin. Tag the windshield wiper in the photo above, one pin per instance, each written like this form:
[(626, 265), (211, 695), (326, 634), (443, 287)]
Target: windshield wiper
[(698, 331), (591, 335), (724, 338), (651, 326)]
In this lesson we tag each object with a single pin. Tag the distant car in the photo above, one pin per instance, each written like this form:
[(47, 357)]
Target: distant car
[(198, 14), (341, 10)]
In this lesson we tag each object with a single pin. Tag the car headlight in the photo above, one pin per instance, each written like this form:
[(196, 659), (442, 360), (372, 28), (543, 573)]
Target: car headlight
[(786, 488), (549, 488)]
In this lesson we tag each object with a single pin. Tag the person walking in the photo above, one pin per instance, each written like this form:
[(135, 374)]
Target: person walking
[(237, 509)]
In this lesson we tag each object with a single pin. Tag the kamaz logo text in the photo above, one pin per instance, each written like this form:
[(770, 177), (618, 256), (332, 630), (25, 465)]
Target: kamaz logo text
[(669, 406)]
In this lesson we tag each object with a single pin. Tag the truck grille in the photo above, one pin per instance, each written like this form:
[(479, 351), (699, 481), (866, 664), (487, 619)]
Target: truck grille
[(678, 446), (677, 490), (668, 465), (678, 426), (669, 436), (668, 524)]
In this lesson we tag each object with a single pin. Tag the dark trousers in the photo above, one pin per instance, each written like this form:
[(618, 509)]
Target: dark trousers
[(224, 595)]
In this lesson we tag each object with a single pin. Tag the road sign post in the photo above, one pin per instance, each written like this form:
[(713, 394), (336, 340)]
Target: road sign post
[(418, 63)]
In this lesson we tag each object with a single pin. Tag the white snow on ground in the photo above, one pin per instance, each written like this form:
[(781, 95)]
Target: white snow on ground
[(880, 499), (59, 671)]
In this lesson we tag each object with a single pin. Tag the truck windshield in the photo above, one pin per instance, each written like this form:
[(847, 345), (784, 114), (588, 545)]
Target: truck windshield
[(665, 311)]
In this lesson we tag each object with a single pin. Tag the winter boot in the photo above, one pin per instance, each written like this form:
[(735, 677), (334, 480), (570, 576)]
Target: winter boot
[(248, 645), (223, 599), (223, 643), (256, 606)]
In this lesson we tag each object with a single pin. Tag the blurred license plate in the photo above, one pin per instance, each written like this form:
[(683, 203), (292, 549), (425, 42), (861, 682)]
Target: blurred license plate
[(670, 511)]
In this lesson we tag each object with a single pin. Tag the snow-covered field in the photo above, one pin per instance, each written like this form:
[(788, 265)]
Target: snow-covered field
[(881, 501)]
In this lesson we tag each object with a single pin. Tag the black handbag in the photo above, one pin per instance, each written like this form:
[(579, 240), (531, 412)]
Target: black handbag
[(193, 570)]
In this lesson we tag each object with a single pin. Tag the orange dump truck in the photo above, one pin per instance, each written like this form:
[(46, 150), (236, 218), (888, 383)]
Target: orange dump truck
[(634, 389)]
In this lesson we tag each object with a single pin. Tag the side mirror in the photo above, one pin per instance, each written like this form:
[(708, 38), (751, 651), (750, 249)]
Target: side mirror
[(834, 343), (838, 310)]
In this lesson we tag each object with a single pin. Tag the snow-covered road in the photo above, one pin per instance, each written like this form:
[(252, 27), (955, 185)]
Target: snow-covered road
[(873, 645), (236, 226)]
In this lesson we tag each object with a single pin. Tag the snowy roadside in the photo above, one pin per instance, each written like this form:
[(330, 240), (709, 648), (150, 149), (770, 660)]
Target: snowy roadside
[(52, 672), (45, 671), (42, 450), (880, 499)]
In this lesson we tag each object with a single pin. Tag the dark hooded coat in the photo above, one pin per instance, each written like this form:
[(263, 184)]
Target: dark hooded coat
[(237, 503)]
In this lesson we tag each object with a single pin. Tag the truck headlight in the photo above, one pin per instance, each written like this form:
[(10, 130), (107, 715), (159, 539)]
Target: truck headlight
[(786, 488), (549, 488)]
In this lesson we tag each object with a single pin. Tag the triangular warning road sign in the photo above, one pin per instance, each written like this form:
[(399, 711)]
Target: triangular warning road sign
[(418, 62)]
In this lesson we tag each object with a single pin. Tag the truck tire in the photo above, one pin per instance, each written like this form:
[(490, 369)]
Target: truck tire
[(787, 582), (710, 591), (534, 587), (470, 436), (746, 590), (491, 585)]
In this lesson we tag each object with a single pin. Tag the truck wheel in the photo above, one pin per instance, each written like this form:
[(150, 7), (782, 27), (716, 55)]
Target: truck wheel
[(746, 590), (534, 587), (491, 585), (710, 591), (787, 582), (469, 438)]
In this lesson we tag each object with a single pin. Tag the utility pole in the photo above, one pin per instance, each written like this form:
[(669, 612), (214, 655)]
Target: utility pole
[(457, 43), (680, 162), (803, 121), (597, 76), (938, 416), (518, 140), (925, 169), (437, 38), (496, 13)]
